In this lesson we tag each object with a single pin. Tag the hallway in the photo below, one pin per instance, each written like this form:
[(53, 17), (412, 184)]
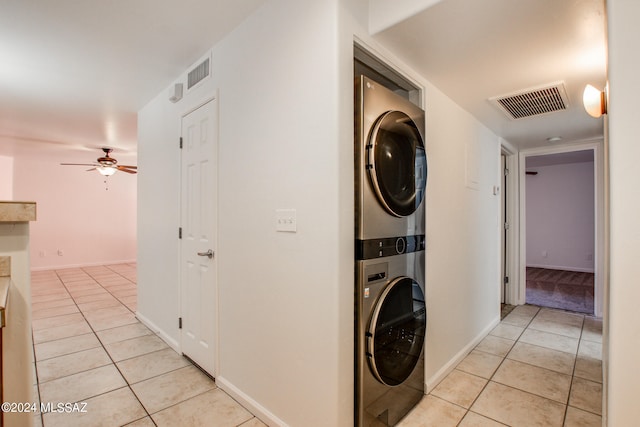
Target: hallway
[(537, 367)]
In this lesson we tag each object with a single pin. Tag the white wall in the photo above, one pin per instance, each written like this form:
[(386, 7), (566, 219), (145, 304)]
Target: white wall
[(75, 214), (6, 178), (561, 217), (284, 84), (624, 293)]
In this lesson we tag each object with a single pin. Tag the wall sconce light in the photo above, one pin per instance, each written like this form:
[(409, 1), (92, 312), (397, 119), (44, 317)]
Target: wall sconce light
[(595, 101)]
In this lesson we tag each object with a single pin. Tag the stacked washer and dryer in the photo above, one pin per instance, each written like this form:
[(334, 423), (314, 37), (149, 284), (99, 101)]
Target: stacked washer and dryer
[(391, 317)]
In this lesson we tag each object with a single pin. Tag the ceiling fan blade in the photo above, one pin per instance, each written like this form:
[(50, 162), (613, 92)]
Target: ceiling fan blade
[(78, 164), (128, 166), (89, 170), (124, 169)]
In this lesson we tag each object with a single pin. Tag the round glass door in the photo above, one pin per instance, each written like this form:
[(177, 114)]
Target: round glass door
[(396, 332), (397, 163)]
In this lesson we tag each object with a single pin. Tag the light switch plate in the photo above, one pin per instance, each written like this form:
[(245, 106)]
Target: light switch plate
[(286, 220)]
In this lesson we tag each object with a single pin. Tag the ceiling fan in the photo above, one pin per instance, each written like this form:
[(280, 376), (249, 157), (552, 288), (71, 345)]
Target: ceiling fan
[(106, 165)]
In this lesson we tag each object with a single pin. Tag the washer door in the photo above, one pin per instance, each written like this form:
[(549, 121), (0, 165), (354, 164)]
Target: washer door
[(396, 331), (397, 163)]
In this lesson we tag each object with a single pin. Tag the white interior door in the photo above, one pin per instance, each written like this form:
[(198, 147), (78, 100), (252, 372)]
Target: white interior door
[(199, 231)]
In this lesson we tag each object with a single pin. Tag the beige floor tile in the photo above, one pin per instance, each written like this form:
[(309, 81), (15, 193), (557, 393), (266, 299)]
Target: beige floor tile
[(560, 317), (480, 364), (82, 386), (592, 329), (52, 312), (143, 422), (100, 324), (94, 291), (432, 411), (542, 382), (95, 297), (52, 304), (253, 422), (527, 309), (548, 340), (509, 332), (558, 323), (128, 300), (586, 395), (96, 305), (59, 332), (495, 345), (589, 369), (476, 420), (133, 347), (150, 365), (64, 346), (53, 322), (578, 418), (123, 333), (543, 357), (174, 387), (460, 388), (107, 312), (50, 297), (518, 408), (517, 319), (213, 408), (114, 408), (73, 363), (590, 349)]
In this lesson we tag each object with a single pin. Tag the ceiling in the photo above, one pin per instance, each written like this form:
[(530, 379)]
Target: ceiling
[(475, 50), (75, 73)]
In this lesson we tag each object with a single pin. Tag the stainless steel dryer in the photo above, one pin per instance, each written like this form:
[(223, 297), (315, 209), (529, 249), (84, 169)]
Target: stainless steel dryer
[(390, 163), (390, 333)]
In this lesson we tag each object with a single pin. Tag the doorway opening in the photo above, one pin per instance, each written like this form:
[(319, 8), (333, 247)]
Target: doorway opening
[(561, 196)]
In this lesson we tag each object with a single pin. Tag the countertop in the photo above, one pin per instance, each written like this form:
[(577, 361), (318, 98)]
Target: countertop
[(13, 211)]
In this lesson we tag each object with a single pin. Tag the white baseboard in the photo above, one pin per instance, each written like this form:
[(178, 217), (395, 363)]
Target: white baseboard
[(254, 407), (156, 330), (432, 382), (86, 264), (559, 267)]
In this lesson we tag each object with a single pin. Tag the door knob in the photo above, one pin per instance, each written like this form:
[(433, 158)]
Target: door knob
[(209, 254)]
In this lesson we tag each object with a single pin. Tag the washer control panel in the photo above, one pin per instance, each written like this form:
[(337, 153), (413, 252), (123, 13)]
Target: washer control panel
[(379, 248)]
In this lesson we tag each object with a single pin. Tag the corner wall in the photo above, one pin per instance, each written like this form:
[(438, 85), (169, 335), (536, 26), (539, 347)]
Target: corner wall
[(622, 320)]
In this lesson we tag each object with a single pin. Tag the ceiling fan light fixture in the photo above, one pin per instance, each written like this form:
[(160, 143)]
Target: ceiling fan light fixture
[(106, 170)]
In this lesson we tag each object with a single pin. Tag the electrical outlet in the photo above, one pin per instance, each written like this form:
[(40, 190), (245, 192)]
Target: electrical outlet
[(60, 252)]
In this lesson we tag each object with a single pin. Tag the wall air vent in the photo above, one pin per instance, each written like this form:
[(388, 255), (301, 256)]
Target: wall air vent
[(198, 73), (532, 102)]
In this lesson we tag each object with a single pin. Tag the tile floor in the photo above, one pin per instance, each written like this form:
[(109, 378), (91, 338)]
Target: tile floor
[(537, 367), (89, 347)]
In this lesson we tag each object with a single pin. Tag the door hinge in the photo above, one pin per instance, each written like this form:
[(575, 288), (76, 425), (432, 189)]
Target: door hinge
[(506, 279), (179, 232), (506, 225), (506, 171), (179, 322), (181, 143)]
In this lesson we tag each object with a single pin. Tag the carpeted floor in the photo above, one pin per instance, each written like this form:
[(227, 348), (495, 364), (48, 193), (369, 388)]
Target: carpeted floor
[(566, 290)]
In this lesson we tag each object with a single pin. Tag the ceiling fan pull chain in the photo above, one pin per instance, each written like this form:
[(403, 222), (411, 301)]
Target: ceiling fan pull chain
[(106, 184)]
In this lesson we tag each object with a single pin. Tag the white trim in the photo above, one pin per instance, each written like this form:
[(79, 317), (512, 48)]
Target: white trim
[(88, 264), (563, 268), (253, 406), (432, 382), (599, 232), (512, 294), (159, 332)]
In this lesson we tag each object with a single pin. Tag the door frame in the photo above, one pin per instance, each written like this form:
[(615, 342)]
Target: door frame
[(512, 217), (185, 112), (599, 213)]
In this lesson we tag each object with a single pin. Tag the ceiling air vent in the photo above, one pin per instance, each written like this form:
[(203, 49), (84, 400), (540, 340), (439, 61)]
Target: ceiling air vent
[(198, 73), (531, 102)]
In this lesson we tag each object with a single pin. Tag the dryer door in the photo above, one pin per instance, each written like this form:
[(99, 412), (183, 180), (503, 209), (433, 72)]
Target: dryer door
[(397, 163), (396, 331)]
